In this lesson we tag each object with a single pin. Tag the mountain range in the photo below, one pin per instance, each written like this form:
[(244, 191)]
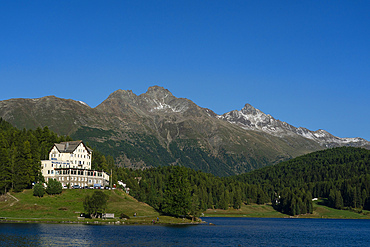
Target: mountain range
[(157, 128)]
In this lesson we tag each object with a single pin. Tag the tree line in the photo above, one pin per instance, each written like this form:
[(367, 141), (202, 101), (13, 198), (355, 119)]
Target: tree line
[(342, 175), (21, 152)]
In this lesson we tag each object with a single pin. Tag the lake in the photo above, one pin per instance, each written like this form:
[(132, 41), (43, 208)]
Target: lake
[(225, 232)]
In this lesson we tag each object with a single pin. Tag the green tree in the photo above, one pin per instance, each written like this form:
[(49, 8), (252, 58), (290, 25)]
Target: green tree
[(5, 168), (38, 190), (54, 187), (96, 203), (195, 206), (237, 202), (176, 198), (338, 200)]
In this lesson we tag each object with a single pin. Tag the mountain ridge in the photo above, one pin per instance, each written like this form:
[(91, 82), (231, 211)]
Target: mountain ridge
[(251, 118), (156, 128)]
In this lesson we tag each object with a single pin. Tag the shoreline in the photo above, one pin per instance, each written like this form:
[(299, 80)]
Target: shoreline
[(5, 221), (120, 222)]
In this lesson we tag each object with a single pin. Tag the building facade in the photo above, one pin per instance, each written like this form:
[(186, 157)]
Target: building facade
[(70, 164)]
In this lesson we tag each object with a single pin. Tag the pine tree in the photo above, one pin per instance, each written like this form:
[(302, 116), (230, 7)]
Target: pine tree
[(338, 200), (195, 206), (6, 173), (237, 202), (176, 198)]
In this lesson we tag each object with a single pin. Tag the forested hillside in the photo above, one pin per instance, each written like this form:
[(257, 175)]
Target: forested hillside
[(341, 174)]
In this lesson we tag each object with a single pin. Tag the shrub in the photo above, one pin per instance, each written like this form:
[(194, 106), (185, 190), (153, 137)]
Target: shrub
[(38, 190), (54, 187), (95, 204), (122, 216)]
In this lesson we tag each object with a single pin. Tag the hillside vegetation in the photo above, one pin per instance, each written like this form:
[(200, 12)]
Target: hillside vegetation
[(341, 175), (68, 206), (20, 154)]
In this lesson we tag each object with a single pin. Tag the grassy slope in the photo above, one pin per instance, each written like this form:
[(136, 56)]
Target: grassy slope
[(68, 206), (267, 211), (322, 211)]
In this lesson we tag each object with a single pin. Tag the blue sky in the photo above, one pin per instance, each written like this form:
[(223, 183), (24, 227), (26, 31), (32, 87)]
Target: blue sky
[(303, 62)]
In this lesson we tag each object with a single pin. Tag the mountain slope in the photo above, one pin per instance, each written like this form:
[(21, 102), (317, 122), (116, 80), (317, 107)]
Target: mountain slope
[(250, 118), (156, 128)]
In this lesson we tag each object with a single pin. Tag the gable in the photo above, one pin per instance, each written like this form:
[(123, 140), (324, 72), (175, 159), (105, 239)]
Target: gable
[(70, 147)]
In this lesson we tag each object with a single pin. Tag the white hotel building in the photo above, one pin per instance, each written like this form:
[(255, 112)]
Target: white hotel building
[(70, 163)]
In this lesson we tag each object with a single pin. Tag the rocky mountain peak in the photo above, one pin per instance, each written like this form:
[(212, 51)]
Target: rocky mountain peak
[(248, 109), (250, 118), (157, 92), (122, 94)]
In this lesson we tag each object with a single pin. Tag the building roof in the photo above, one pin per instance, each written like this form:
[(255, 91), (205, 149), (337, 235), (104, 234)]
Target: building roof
[(69, 147)]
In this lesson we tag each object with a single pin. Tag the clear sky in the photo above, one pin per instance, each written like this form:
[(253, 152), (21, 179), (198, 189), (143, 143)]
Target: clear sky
[(304, 62)]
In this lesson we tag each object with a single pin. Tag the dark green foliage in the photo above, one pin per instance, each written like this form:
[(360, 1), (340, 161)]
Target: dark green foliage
[(293, 202), (335, 199), (54, 187), (38, 190), (156, 187), (290, 185), (96, 203), (176, 197), (340, 174), (20, 155)]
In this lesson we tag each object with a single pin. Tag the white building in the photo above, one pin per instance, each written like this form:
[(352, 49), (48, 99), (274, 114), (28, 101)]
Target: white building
[(70, 163)]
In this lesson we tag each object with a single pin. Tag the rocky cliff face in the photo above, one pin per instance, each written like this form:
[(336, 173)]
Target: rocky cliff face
[(250, 118), (156, 128)]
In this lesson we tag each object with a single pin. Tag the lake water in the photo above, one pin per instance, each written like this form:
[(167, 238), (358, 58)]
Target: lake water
[(225, 232)]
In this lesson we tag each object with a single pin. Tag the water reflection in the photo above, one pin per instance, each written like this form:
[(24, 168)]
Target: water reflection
[(68, 235), (225, 232)]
